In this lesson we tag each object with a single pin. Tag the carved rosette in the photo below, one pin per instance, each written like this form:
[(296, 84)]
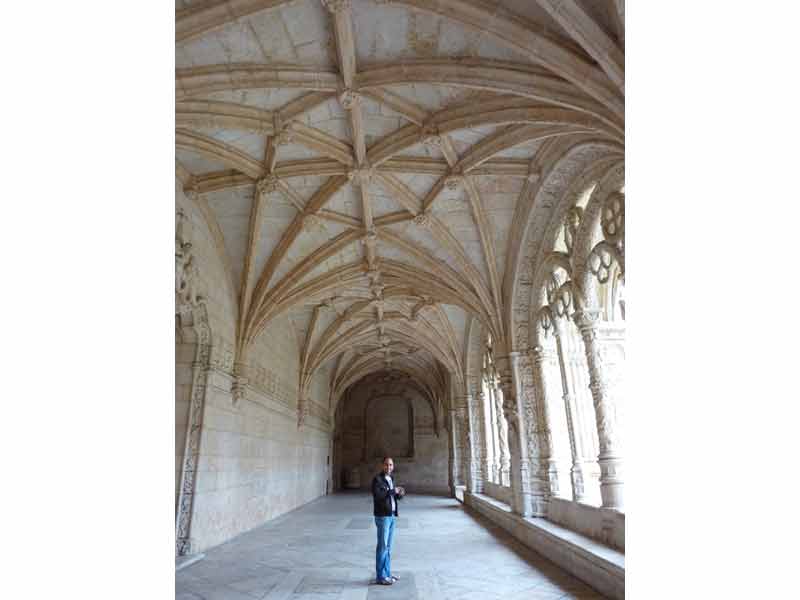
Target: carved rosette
[(349, 99), (284, 137), (422, 219), (267, 184), (430, 137), (360, 177), (312, 223), (369, 240), (454, 181)]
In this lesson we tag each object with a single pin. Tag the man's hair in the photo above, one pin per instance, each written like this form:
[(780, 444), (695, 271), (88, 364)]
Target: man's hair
[(385, 458)]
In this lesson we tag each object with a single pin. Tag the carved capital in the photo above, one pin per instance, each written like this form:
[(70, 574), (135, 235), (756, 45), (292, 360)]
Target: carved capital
[(587, 321), (239, 389), (303, 408)]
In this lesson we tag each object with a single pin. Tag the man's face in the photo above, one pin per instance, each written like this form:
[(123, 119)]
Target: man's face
[(388, 466)]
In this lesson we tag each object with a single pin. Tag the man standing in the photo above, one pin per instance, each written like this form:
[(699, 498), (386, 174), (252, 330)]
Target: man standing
[(384, 498)]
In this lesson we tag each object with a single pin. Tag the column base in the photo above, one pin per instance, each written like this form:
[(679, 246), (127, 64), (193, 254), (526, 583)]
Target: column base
[(611, 482)]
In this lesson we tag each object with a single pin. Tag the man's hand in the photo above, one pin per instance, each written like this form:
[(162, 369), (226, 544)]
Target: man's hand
[(400, 490)]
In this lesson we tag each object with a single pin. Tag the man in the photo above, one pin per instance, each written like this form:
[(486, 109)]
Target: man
[(384, 498)]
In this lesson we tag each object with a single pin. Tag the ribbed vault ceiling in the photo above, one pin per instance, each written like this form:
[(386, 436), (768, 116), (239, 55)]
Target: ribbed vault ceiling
[(362, 161)]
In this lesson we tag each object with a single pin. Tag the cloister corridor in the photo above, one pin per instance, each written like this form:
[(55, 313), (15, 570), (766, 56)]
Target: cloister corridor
[(325, 551)]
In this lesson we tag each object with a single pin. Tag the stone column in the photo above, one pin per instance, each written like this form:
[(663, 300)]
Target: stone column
[(503, 464), (460, 441), (483, 426), (606, 405), (492, 458), (579, 469), (452, 456), (508, 368), (542, 359), (474, 441), (537, 434), (465, 441)]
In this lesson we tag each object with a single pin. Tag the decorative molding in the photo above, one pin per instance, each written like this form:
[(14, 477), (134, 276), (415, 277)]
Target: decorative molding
[(190, 310), (187, 275)]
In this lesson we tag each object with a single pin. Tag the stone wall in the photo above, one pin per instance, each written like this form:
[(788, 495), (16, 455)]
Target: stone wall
[(604, 524), (497, 491), (367, 434), (254, 462)]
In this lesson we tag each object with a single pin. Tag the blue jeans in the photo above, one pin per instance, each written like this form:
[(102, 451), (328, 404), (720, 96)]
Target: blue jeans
[(383, 552)]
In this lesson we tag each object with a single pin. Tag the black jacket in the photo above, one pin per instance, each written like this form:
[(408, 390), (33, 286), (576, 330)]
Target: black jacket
[(382, 497)]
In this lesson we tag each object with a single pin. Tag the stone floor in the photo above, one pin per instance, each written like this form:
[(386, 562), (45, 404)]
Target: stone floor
[(326, 551)]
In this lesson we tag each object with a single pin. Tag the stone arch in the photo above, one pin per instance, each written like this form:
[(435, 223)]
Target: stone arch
[(560, 162), (591, 234)]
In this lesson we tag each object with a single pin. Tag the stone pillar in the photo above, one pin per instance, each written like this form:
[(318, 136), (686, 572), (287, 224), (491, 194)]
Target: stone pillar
[(508, 368), (606, 405), (452, 456), (579, 471), (557, 466), (537, 434), (465, 440), (481, 457), (491, 457), (503, 464)]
